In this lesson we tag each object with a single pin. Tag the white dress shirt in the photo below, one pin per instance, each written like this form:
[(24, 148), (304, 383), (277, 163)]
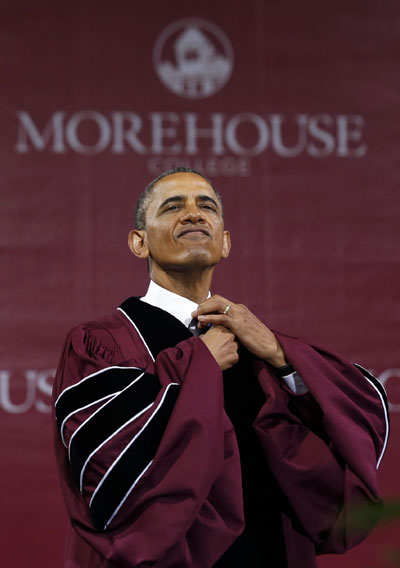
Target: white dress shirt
[(181, 308)]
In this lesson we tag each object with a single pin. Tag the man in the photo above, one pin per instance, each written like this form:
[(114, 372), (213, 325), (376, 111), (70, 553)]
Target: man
[(237, 447)]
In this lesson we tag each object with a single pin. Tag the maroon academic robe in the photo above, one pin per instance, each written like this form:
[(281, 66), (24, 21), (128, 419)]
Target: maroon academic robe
[(149, 460)]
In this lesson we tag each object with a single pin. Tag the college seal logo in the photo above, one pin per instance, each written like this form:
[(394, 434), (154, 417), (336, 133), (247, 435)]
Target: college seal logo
[(193, 58)]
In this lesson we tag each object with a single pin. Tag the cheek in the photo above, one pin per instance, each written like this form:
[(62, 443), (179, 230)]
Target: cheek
[(159, 239)]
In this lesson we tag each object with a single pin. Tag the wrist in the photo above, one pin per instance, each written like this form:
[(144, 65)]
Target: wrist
[(278, 360)]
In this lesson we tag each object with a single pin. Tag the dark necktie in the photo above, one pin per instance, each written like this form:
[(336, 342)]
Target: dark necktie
[(192, 327)]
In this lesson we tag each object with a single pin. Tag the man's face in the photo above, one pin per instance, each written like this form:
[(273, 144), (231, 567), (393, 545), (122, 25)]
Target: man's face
[(184, 224)]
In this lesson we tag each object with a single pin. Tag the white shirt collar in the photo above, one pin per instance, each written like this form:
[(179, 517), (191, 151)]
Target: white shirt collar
[(176, 305)]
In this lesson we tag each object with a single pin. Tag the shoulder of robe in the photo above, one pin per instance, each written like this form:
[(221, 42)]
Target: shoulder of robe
[(111, 337), (99, 337)]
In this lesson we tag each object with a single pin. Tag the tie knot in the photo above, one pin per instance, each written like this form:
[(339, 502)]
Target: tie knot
[(192, 327)]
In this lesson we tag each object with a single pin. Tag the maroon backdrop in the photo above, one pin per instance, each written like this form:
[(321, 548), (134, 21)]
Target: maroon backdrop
[(292, 108)]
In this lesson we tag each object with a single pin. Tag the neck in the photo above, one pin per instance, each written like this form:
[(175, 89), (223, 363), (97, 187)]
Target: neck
[(194, 284)]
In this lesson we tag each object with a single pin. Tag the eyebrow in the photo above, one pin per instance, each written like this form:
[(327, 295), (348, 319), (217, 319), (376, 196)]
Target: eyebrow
[(180, 198)]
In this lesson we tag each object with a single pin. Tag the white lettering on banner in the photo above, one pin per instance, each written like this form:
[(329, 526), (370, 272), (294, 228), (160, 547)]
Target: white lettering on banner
[(104, 129), (120, 135), (244, 135), (232, 134), (159, 133), (36, 386), (53, 130), (277, 136), (349, 129), (194, 59), (228, 166), (215, 133), (319, 134)]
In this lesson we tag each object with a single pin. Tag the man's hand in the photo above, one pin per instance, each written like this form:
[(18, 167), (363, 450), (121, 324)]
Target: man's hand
[(247, 328), (221, 342)]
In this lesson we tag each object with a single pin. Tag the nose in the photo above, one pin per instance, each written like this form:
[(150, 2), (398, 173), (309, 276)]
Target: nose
[(192, 214)]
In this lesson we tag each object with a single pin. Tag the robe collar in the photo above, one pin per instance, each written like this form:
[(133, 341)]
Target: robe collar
[(158, 329)]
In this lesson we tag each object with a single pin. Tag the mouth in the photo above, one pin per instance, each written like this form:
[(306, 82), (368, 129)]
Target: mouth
[(194, 231)]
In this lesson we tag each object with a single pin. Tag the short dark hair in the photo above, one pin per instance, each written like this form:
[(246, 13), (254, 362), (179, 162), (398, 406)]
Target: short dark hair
[(145, 198)]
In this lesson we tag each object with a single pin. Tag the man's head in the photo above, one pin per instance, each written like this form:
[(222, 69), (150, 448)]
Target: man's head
[(145, 197), (179, 223)]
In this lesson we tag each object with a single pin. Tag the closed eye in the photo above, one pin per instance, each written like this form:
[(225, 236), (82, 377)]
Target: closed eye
[(172, 207)]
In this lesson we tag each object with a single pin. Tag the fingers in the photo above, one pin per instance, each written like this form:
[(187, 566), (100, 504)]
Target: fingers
[(221, 311), (219, 329), (215, 304), (213, 312), (217, 319), (251, 332), (221, 342)]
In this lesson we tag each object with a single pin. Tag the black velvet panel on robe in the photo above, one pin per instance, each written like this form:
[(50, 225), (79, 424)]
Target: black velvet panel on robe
[(261, 544)]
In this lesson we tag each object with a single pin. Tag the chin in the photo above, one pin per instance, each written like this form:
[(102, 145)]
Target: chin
[(194, 260)]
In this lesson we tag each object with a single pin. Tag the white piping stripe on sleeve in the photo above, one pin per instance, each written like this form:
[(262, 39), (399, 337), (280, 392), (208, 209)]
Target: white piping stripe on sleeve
[(94, 414), (140, 335), (386, 422), (113, 394), (127, 494), (92, 375), (130, 443), (364, 374), (109, 438)]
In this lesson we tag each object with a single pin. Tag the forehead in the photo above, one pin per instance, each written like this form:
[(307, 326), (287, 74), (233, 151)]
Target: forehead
[(181, 183)]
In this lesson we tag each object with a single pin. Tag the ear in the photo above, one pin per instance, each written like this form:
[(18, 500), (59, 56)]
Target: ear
[(226, 244), (137, 243)]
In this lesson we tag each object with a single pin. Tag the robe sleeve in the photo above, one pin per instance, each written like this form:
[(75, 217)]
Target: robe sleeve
[(147, 461), (324, 446)]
